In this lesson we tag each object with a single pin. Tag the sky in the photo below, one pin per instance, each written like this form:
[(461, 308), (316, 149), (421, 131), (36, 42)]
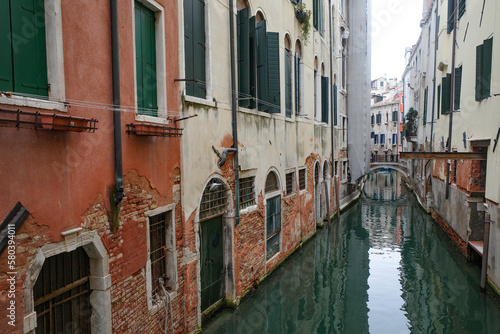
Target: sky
[(395, 26)]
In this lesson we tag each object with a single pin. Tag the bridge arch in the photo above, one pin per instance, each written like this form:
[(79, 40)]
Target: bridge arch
[(398, 167)]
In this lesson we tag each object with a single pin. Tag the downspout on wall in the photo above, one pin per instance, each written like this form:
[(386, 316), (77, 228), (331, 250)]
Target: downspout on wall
[(436, 34), (115, 49), (234, 116)]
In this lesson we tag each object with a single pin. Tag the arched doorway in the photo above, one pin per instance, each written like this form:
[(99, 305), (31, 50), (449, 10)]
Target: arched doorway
[(325, 204), (212, 209), (317, 192)]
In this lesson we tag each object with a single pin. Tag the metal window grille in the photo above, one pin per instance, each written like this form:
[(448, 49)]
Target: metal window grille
[(290, 183), (271, 182), (302, 179), (213, 202), (247, 192), (158, 250), (61, 294)]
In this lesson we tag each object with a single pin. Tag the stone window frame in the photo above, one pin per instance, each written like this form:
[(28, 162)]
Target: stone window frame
[(55, 64), (100, 279), (294, 182), (161, 66), (302, 170), (155, 306)]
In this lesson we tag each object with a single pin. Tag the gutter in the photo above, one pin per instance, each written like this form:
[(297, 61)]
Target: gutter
[(434, 78), (234, 116), (115, 49)]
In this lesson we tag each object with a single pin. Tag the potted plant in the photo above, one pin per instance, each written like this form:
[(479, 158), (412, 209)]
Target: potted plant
[(304, 17), (410, 126)]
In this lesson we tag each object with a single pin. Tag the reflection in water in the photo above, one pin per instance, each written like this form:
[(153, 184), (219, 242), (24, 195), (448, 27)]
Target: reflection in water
[(384, 268)]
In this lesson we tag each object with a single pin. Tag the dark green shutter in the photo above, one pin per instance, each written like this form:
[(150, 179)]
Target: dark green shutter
[(262, 73), (425, 105), (479, 72), (451, 15), (294, 1), (243, 58), (253, 62), (297, 84), (324, 99), (288, 84), (335, 109), (445, 98), (6, 75), (438, 100), (29, 50), (486, 77), (194, 47), (458, 87), (461, 8), (316, 14), (373, 119), (273, 60), (145, 46)]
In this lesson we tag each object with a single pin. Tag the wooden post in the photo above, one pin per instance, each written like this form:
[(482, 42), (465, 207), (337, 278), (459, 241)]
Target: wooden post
[(486, 242)]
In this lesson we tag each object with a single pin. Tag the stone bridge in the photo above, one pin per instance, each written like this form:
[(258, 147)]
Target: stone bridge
[(384, 161)]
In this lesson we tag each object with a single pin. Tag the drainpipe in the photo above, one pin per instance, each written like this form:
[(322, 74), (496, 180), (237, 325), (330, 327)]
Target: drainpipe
[(331, 108), (116, 102), (234, 116), (452, 95), (434, 78)]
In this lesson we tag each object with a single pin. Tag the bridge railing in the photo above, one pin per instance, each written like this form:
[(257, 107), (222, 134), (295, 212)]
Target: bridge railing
[(384, 158)]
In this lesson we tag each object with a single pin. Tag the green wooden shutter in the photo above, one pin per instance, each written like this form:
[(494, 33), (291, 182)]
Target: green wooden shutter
[(335, 109), (425, 106), (451, 15), (458, 87), (288, 84), (194, 47), (6, 75), (273, 60), (199, 48), (316, 14), (486, 75), (29, 50), (253, 62), (461, 8), (294, 1), (297, 84), (438, 100), (243, 58), (324, 99), (145, 45), (479, 72), (445, 99), (262, 73)]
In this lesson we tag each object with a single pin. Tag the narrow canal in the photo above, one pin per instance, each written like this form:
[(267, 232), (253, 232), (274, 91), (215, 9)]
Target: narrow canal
[(385, 267)]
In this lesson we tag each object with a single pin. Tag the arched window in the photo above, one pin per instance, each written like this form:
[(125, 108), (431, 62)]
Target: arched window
[(214, 200), (288, 77), (273, 216), (316, 90), (298, 77), (271, 182)]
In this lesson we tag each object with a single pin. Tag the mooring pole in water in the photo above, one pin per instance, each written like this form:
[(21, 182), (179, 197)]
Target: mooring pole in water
[(486, 242)]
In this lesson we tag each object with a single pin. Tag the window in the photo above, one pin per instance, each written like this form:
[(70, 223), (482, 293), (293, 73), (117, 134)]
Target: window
[(336, 168), (372, 135), (316, 90), (382, 139), (271, 182), (344, 170), (288, 78), (214, 200), (302, 179), (438, 100), (335, 107), (290, 183), (273, 226), (318, 15), (158, 252), (247, 192), (394, 139), (425, 105), (194, 48), (458, 87), (23, 45), (62, 294), (324, 99), (461, 8), (395, 116), (451, 15), (375, 139), (445, 91), (483, 69), (373, 119), (145, 51), (298, 78), (245, 43), (379, 118)]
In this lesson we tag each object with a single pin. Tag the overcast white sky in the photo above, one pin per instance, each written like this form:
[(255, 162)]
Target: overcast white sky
[(395, 25)]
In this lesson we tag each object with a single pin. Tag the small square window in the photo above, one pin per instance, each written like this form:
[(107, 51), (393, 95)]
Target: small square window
[(290, 183), (247, 192), (302, 179)]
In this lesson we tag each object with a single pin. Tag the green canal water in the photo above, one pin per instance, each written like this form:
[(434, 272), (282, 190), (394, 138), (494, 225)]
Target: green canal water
[(385, 267)]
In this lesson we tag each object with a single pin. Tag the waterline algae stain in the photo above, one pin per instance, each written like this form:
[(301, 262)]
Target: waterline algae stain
[(385, 267)]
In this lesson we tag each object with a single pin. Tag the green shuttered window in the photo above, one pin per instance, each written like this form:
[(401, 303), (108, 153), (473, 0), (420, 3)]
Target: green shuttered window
[(23, 52), (145, 51), (483, 69), (445, 97), (335, 108), (273, 60), (288, 83), (438, 100), (458, 87), (194, 47), (262, 66), (451, 15), (318, 15), (243, 58), (297, 84), (425, 105), (461, 8), (324, 99)]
